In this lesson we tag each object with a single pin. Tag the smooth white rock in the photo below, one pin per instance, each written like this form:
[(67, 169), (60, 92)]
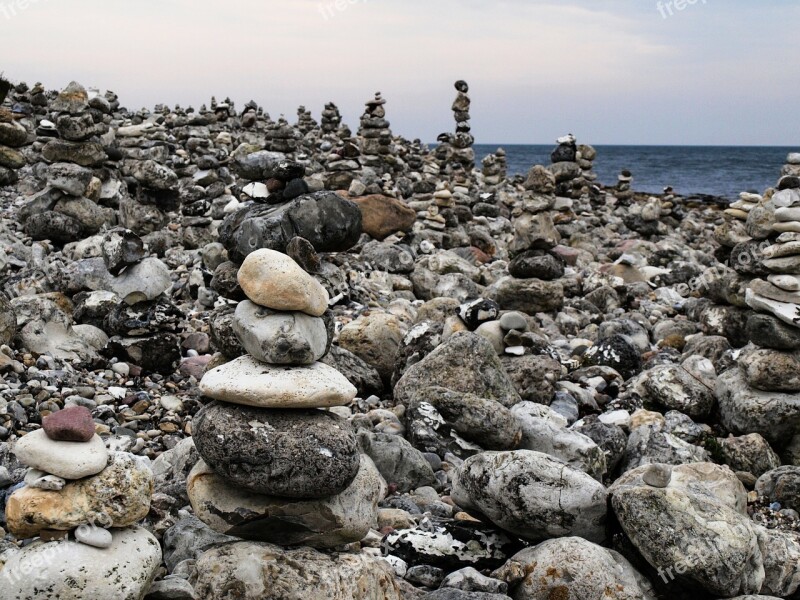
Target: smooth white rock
[(94, 536), (44, 481), (69, 460)]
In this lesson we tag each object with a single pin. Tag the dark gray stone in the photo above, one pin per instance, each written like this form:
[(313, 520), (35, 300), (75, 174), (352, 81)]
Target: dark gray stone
[(286, 453)]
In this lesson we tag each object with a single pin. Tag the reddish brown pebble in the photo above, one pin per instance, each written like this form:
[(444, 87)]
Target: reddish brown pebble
[(72, 424)]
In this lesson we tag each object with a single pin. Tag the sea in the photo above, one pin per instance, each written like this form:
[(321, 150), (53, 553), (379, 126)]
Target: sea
[(722, 171)]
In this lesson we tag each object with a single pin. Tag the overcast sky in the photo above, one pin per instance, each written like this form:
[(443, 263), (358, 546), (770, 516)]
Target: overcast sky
[(610, 71)]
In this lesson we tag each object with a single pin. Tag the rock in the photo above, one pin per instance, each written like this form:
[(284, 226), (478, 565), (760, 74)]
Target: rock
[(156, 353), (382, 215), (248, 382), (69, 460), (781, 550), (258, 449), (534, 377), (54, 226), (532, 495), (302, 252), (572, 567), (287, 338), (609, 437), (745, 410), (97, 537), (781, 485), (262, 571), (675, 388), (74, 571), (119, 496), (154, 176), (534, 232), (188, 539), (768, 332), (71, 424), (470, 580), (375, 338), (13, 135), (546, 432), (657, 475), (171, 588), (146, 280), (274, 280), (122, 248), (85, 154), (750, 454), (536, 264), (328, 221), (398, 462), (688, 529), (770, 371), (362, 375), (449, 544), (479, 420), (649, 443), (466, 363), (321, 523), (526, 295), (8, 321), (69, 178), (615, 352)]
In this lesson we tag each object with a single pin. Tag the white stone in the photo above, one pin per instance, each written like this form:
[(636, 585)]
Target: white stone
[(793, 158), (172, 403), (251, 383), (785, 214), (790, 283), (94, 536), (73, 571), (788, 313), (256, 190), (621, 418), (786, 198), (144, 281), (69, 460), (44, 481)]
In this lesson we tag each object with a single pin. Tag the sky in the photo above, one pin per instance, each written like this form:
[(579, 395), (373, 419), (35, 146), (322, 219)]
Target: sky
[(702, 72)]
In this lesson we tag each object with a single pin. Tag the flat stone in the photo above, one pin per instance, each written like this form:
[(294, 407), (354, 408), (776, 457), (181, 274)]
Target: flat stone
[(790, 283), (71, 424), (787, 312), (94, 536), (272, 279), (69, 460), (251, 383), (282, 338), (321, 523), (43, 481), (287, 453)]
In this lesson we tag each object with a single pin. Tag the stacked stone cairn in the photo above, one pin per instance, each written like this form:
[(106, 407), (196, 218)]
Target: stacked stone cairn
[(376, 136), (268, 409), (623, 191), (13, 136), (762, 283), (495, 168), (572, 166), (75, 489)]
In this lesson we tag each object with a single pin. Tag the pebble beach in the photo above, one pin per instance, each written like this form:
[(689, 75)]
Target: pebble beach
[(246, 357)]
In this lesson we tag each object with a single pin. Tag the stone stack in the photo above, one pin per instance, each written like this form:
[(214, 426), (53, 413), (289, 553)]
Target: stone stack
[(375, 134), (572, 167), (331, 119), (305, 122), (13, 137), (790, 174), (495, 167), (281, 136), (623, 192), (268, 411), (463, 140), (76, 487)]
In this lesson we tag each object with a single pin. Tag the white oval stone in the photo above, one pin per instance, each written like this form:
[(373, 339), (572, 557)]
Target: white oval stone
[(94, 536), (68, 460), (251, 383), (275, 280)]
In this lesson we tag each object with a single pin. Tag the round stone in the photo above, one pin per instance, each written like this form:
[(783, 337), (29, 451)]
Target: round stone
[(657, 476), (72, 424), (283, 338), (92, 535), (287, 453)]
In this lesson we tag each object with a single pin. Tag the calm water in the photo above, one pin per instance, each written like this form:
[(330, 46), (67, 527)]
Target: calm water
[(718, 170)]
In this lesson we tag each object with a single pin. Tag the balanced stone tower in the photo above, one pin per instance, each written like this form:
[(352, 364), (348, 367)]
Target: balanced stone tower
[(269, 410)]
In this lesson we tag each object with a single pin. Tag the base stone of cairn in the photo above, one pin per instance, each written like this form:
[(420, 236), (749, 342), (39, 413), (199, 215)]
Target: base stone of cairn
[(83, 503), (264, 416)]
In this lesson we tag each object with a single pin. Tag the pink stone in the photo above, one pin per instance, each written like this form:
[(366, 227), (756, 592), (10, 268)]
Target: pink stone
[(72, 424)]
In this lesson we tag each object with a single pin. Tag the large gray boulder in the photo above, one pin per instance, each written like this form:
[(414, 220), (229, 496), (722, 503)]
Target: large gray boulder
[(533, 495)]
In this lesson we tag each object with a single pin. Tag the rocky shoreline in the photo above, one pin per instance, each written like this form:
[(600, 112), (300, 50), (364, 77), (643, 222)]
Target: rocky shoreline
[(247, 358)]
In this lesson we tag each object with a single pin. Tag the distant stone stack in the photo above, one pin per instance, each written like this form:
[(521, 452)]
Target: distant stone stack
[(267, 412), (463, 153), (75, 487), (331, 119), (494, 168), (281, 137), (13, 137), (572, 167), (790, 174), (623, 191), (305, 122), (375, 134)]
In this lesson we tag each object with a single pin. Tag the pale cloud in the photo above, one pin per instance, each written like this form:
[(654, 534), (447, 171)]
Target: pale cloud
[(612, 71)]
